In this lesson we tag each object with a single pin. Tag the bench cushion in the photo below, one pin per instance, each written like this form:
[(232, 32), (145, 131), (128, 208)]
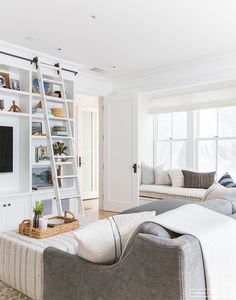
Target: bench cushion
[(169, 192)]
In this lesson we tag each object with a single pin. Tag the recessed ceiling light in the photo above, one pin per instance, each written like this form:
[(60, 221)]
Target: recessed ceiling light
[(59, 49), (29, 39), (92, 17)]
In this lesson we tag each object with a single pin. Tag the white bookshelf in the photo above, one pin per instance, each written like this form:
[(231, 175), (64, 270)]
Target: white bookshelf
[(17, 186)]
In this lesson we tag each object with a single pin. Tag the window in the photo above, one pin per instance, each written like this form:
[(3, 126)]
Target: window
[(216, 140), (171, 140), (203, 140)]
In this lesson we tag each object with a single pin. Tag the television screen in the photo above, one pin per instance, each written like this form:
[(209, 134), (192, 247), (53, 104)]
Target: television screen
[(6, 149)]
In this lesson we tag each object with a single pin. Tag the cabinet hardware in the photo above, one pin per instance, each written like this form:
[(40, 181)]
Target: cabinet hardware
[(9, 204), (4, 205)]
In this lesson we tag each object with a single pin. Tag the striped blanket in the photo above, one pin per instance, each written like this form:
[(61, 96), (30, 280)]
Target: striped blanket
[(21, 258)]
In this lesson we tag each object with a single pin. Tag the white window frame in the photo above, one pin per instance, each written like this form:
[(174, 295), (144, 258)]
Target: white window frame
[(189, 149), (216, 138)]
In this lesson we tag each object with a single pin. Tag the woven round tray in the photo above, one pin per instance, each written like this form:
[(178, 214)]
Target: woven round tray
[(70, 223)]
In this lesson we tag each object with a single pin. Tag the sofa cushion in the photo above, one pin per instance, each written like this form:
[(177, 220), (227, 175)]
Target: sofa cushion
[(198, 180), (227, 181), (169, 192), (177, 177), (103, 241), (161, 176), (147, 174), (160, 206)]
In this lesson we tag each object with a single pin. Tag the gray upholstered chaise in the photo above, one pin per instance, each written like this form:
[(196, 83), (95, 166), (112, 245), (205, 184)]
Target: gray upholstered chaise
[(157, 264)]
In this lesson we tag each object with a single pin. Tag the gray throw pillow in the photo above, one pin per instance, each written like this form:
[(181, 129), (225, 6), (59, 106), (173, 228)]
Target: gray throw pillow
[(147, 174), (198, 180)]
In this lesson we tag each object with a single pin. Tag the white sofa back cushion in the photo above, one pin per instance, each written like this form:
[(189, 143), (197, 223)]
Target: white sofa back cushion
[(104, 241), (177, 177), (161, 176)]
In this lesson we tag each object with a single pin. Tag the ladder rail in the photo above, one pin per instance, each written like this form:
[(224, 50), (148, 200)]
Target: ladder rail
[(69, 139), (49, 140)]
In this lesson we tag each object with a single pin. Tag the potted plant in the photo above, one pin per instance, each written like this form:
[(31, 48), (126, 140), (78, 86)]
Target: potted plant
[(59, 150), (38, 211)]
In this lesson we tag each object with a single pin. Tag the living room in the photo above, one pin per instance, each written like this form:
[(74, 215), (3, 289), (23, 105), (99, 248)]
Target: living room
[(118, 144)]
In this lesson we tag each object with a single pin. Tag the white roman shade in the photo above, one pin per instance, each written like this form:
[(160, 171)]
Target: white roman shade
[(214, 95)]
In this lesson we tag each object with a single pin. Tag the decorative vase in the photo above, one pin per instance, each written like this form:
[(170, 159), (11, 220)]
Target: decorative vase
[(36, 221), (59, 174), (2, 104)]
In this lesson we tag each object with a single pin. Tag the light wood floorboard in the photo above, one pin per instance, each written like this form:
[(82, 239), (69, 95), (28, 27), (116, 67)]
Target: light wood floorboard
[(92, 210)]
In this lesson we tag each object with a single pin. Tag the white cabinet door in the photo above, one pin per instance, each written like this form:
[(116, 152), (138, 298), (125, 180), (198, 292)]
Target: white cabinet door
[(121, 151), (16, 212), (3, 211)]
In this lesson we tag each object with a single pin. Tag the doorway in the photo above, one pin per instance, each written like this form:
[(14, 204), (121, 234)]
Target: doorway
[(88, 145)]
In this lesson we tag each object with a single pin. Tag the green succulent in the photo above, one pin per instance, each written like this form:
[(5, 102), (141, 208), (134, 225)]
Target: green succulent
[(59, 148), (39, 208)]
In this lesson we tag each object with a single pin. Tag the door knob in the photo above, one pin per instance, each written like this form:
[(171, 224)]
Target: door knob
[(80, 162), (135, 168)]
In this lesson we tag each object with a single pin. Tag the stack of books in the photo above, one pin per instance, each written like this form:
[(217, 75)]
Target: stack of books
[(39, 112), (59, 131)]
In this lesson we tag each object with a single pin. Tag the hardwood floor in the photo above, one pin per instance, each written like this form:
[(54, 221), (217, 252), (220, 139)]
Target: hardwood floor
[(92, 210)]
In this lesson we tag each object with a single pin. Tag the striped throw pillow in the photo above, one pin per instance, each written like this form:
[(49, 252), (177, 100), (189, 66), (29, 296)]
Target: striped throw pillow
[(104, 241), (227, 181), (198, 180)]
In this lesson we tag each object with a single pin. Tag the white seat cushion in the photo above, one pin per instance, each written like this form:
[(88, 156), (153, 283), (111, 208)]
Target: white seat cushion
[(164, 192)]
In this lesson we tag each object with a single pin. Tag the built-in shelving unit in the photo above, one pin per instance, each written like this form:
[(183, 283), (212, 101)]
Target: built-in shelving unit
[(18, 184)]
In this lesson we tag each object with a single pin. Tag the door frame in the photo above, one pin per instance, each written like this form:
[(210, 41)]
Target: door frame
[(92, 194)]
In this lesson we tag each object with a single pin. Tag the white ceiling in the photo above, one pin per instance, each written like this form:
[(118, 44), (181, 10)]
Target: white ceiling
[(134, 35)]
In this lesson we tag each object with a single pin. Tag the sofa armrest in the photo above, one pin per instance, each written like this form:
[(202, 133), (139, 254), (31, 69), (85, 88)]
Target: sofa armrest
[(154, 268)]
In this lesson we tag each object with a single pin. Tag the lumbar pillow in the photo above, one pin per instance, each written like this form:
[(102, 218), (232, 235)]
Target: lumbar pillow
[(198, 180), (105, 240), (147, 174), (177, 177), (162, 176), (227, 181)]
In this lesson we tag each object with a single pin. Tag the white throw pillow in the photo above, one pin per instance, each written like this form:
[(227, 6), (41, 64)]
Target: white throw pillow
[(161, 176), (217, 191), (177, 177), (104, 241)]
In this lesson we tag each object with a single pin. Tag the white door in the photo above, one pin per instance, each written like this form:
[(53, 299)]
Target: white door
[(88, 151), (121, 152)]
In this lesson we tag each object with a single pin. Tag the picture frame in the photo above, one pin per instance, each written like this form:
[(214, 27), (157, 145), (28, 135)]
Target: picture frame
[(35, 86), (41, 177), (15, 84), (41, 154), (37, 128), (5, 80)]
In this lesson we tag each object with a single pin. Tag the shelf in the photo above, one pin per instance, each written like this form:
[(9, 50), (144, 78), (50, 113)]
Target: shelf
[(51, 118), (14, 114), (39, 137), (6, 92), (53, 99), (48, 164), (40, 165)]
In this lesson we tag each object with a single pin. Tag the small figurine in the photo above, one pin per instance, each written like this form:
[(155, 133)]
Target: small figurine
[(14, 107), (39, 105)]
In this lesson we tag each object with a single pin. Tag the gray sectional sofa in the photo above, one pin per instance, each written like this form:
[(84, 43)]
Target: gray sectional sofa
[(157, 264)]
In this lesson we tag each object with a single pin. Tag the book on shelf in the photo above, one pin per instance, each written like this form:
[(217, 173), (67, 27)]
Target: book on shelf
[(60, 133)]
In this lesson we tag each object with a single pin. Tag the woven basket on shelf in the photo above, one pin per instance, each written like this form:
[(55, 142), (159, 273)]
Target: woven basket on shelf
[(70, 223)]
